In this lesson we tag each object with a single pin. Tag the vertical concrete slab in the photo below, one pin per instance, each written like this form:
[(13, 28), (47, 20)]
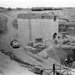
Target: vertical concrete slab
[(36, 29), (54, 27), (23, 31), (46, 26)]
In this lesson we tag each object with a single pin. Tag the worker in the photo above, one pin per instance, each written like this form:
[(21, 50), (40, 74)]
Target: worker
[(68, 62)]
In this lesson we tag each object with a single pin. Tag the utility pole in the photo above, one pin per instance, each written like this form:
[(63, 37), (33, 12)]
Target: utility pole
[(53, 69)]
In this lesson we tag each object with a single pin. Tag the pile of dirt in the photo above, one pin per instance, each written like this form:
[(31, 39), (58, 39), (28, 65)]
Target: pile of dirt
[(3, 25), (52, 53), (57, 54), (62, 54)]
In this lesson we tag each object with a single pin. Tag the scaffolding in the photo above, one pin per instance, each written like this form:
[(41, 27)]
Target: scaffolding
[(59, 70)]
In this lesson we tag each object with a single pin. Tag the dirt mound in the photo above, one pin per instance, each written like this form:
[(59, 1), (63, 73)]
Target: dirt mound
[(53, 54), (61, 54), (57, 54), (3, 25)]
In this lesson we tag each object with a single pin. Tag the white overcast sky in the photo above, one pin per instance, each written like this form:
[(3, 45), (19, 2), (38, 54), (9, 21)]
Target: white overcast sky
[(37, 3)]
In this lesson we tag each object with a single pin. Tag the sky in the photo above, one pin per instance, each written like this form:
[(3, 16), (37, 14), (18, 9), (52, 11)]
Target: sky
[(37, 3)]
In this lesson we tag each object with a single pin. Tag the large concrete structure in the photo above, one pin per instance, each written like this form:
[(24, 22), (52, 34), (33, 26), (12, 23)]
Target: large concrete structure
[(35, 26)]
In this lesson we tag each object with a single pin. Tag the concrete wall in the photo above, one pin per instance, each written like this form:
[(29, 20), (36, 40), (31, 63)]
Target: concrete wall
[(36, 28), (46, 25), (40, 28), (54, 27), (23, 31)]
